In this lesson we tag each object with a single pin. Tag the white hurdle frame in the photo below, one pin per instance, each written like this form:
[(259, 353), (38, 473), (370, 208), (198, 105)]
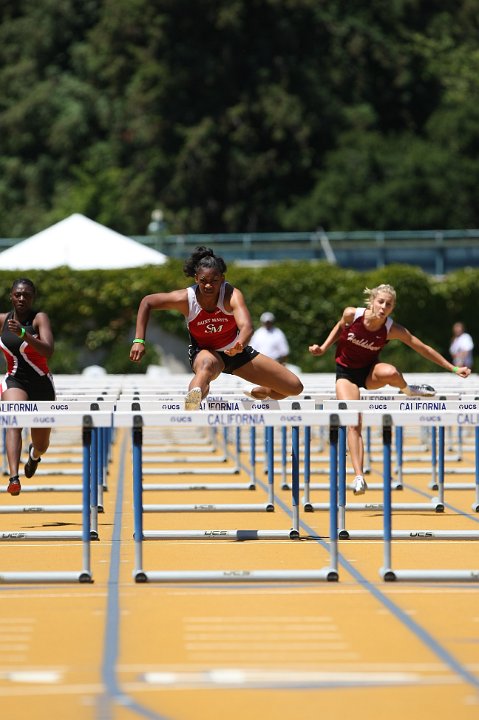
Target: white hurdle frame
[(88, 422), (387, 572), (264, 419)]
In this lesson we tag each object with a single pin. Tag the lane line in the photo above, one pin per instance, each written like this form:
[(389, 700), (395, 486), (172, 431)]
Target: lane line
[(113, 694)]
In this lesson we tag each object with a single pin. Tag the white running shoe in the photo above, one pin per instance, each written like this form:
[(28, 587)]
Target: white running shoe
[(249, 394), (359, 485), (193, 399), (422, 390)]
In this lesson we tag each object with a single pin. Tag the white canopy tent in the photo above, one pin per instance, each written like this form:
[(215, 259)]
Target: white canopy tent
[(81, 244)]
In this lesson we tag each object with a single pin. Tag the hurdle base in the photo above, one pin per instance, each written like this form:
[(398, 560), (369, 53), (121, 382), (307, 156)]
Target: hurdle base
[(15, 535), (388, 575), (438, 506), (40, 576), (475, 507), (434, 575), (164, 576), (410, 535), (206, 508), (373, 507), (239, 535)]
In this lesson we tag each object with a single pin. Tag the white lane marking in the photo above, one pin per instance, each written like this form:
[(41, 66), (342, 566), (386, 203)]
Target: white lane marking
[(227, 677), (32, 676)]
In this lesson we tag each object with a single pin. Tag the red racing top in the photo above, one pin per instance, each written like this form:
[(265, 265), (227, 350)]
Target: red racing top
[(359, 347)]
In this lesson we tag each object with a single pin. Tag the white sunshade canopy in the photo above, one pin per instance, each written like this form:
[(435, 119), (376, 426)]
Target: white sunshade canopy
[(81, 244)]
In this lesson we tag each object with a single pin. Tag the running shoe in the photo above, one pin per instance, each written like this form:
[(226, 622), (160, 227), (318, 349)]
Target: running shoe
[(359, 485), (422, 390), (14, 486), (250, 394), (31, 464), (193, 399)]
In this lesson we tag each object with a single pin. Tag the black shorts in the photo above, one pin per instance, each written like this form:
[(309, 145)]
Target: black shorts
[(41, 388), (230, 363), (358, 376)]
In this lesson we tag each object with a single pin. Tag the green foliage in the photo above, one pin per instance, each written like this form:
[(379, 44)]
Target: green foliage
[(239, 115)]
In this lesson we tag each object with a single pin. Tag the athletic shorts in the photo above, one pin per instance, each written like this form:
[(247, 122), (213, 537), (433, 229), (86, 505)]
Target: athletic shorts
[(41, 388), (357, 376), (230, 363)]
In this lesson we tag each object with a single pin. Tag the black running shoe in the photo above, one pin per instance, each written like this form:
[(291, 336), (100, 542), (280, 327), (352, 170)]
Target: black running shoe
[(31, 464)]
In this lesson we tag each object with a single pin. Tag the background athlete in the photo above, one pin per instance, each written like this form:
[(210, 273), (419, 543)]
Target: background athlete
[(220, 328), (27, 343), (361, 334)]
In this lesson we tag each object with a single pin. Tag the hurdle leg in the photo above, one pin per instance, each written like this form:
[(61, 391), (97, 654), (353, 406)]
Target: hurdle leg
[(475, 504), (342, 481), (252, 457), (85, 575), (333, 496), (270, 464), (440, 465), (137, 438), (284, 439), (295, 480), (94, 484), (387, 572), (399, 456)]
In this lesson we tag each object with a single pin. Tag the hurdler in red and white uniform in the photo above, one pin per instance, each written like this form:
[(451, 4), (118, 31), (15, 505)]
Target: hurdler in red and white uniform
[(215, 330)]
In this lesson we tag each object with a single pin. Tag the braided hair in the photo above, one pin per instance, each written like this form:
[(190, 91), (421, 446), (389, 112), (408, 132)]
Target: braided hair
[(203, 257)]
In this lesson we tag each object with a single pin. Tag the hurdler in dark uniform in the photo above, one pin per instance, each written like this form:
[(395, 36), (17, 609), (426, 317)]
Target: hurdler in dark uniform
[(27, 343), (26, 368)]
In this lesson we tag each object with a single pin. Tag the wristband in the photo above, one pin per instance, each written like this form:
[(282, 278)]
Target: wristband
[(139, 340), (455, 369), (22, 334)]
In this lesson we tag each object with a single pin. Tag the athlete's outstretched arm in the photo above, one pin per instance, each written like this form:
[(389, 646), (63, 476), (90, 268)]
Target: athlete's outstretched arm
[(398, 332), (175, 300), (346, 319)]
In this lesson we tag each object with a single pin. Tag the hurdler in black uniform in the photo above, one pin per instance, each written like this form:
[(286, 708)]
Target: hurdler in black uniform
[(26, 368), (26, 341)]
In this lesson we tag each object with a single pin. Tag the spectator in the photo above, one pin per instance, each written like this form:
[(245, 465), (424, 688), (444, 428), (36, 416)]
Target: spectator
[(461, 346), (270, 340)]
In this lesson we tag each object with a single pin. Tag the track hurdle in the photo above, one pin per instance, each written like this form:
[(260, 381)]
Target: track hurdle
[(88, 423), (359, 406), (220, 403), (100, 437), (266, 420), (387, 572)]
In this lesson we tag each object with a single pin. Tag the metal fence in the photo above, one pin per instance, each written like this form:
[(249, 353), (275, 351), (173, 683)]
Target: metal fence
[(436, 252)]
